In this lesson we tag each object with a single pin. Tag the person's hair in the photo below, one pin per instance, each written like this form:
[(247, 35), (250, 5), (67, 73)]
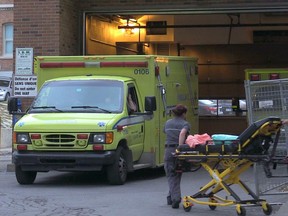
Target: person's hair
[(179, 110)]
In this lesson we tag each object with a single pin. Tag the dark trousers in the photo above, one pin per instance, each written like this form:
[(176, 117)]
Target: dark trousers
[(174, 178)]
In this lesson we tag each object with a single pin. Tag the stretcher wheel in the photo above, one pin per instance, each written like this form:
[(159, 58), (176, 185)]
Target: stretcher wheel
[(187, 209), (187, 206), (268, 209), (212, 200), (212, 207), (195, 167), (241, 211)]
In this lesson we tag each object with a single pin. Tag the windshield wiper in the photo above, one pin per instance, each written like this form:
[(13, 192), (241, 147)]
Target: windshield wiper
[(91, 107), (47, 107)]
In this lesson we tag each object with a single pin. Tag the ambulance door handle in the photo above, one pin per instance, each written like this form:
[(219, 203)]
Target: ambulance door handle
[(142, 128)]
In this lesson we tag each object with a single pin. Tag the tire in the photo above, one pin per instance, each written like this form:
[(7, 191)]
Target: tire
[(242, 211), (269, 209), (7, 96), (117, 172), (187, 209), (25, 177), (212, 207)]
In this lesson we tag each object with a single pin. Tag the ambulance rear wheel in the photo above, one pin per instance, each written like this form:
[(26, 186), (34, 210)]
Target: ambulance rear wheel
[(117, 172), (25, 177)]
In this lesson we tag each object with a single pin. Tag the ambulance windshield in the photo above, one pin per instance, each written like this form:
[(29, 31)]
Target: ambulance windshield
[(101, 96)]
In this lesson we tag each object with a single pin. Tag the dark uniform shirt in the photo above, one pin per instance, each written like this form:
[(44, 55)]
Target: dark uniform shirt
[(172, 129)]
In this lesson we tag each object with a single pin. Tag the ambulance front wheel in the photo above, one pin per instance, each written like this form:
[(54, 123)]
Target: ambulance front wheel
[(25, 177), (117, 172)]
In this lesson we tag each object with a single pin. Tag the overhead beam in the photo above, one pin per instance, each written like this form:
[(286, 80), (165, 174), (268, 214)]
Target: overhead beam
[(208, 26)]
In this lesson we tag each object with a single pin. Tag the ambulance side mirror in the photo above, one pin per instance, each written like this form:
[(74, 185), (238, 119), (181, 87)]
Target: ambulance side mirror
[(150, 104)]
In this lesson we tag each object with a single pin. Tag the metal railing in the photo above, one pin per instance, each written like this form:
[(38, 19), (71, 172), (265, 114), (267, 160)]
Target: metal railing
[(270, 98)]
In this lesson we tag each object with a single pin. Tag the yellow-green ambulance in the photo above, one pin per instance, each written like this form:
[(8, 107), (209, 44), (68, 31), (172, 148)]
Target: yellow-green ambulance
[(80, 119)]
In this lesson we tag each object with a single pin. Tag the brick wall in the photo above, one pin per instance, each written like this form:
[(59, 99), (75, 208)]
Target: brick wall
[(140, 5), (6, 16), (37, 25), (50, 27), (6, 64), (6, 1), (70, 28)]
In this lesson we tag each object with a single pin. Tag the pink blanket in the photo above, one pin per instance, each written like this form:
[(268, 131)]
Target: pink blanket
[(192, 141)]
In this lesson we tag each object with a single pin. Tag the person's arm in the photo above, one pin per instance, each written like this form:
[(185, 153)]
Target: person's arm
[(182, 136), (131, 104), (285, 121)]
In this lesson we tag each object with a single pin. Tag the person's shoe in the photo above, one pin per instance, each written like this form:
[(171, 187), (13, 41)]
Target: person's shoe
[(169, 200), (175, 204)]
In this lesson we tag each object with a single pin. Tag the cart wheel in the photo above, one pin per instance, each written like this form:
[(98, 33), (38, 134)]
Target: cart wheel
[(187, 206), (268, 209), (241, 211), (187, 209), (212, 207), (212, 200)]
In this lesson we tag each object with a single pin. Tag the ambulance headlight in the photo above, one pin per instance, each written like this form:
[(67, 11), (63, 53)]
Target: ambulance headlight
[(101, 138), (98, 138), (23, 138)]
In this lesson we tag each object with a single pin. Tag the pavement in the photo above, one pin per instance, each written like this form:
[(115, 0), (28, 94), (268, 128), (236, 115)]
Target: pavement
[(280, 208)]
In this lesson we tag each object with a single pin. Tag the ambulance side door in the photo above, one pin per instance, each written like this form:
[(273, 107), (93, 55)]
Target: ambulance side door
[(135, 128)]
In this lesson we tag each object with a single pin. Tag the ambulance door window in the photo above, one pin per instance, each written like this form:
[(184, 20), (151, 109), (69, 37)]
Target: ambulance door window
[(132, 99)]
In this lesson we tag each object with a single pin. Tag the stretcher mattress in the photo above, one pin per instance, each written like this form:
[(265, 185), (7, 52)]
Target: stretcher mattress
[(255, 140)]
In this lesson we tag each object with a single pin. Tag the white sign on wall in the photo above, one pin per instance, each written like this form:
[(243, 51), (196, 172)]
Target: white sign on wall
[(25, 86), (24, 61)]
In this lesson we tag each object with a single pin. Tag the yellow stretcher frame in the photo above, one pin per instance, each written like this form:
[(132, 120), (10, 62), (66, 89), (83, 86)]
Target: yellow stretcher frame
[(225, 167)]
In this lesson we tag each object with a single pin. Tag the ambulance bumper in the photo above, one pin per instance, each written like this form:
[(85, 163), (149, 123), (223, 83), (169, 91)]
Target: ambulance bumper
[(62, 161)]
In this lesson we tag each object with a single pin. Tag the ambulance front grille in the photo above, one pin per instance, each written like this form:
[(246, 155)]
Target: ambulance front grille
[(60, 139)]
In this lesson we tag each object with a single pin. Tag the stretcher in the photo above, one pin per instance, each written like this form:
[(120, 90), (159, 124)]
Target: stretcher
[(225, 162)]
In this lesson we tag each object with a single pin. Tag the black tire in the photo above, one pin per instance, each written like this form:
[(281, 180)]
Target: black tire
[(187, 209), (25, 177), (195, 167), (117, 172), (7, 96), (269, 209), (212, 207), (242, 211), (212, 200)]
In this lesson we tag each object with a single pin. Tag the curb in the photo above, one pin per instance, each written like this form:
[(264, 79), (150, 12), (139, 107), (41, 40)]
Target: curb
[(4, 157), (10, 168)]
